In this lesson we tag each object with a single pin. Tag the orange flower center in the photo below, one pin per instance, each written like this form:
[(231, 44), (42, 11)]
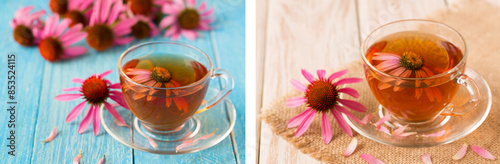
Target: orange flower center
[(189, 19), (50, 49), (76, 17), (23, 35), (141, 30), (141, 7), (100, 37), (411, 61), (322, 95), (161, 75), (59, 6), (95, 90)]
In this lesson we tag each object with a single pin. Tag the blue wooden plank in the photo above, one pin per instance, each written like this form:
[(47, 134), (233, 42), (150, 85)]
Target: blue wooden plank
[(29, 72), (229, 42)]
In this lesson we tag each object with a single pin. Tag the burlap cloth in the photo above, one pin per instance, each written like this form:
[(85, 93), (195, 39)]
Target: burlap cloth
[(479, 23)]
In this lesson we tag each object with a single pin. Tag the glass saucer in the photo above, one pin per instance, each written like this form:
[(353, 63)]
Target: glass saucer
[(220, 118), (454, 127)]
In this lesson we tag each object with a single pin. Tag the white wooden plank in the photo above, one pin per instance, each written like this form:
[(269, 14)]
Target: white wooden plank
[(261, 49)]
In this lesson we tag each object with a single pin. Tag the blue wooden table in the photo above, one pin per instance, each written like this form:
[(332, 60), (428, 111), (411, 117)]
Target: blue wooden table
[(39, 81)]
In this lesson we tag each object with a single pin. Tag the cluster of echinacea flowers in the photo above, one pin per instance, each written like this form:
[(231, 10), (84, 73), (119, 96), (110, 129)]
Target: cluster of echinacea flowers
[(322, 96), (96, 91), (107, 23)]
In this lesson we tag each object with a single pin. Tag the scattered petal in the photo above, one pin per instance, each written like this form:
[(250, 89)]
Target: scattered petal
[(399, 130), (101, 160), (426, 158), (152, 142), (52, 135), (405, 134), (350, 149), (382, 120), (77, 159), (119, 123), (370, 159), (437, 134), (483, 153), (461, 152), (367, 118), (384, 129), (190, 142)]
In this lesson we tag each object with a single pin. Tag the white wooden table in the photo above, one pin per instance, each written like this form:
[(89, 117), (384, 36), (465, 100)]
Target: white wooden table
[(317, 34)]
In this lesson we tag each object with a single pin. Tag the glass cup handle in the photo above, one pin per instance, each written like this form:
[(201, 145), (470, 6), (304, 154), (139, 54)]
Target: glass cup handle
[(222, 73), (471, 86)]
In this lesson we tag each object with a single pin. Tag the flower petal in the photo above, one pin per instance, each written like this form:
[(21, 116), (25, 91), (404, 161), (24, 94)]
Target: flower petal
[(382, 120), (350, 149), (461, 152), (190, 142), (52, 135), (101, 160), (342, 123), (399, 130), (370, 159), (105, 73), (296, 120), (115, 86), (86, 120), (307, 75), (73, 89), (326, 130), (190, 34), (385, 56), (353, 105), (70, 52), (151, 142), (348, 81), (75, 112), (321, 73), (306, 122), (167, 21), (426, 158), (384, 129), (298, 85), (295, 101), (350, 91), (123, 41), (437, 134), (120, 123), (77, 159), (347, 113), (68, 97), (367, 118), (78, 80), (483, 153), (113, 112), (97, 120), (337, 74)]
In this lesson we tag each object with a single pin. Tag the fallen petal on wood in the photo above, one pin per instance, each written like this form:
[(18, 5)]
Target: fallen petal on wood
[(426, 158), (461, 152), (483, 153), (77, 159), (52, 135), (350, 149), (370, 159), (102, 160)]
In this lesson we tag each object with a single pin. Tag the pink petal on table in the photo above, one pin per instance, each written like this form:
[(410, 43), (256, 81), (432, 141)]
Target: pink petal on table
[(461, 152), (353, 105), (101, 160), (384, 129), (68, 97), (190, 142), (350, 149), (306, 122), (52, 135), (296, 120), (336, 75), (152, 142), (326, 130), (426, 158), (370, 159), (321, 73), (399, 130), (382, 120), (483, 153), (295, 101), (348, 80), (437, 134), (77, 159), (298, 85), (307, 75), (367, 118), (350, 91)]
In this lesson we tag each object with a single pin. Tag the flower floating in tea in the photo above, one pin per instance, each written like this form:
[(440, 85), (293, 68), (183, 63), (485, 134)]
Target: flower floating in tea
[(95, 90), (105, 29), (78, 11), (27, 27), (185, 19), (157, 77), (56, 40), (322, 95)]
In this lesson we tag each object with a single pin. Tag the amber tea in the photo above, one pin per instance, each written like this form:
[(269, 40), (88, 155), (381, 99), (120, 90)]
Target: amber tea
[(159, 107), (413, 54)]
